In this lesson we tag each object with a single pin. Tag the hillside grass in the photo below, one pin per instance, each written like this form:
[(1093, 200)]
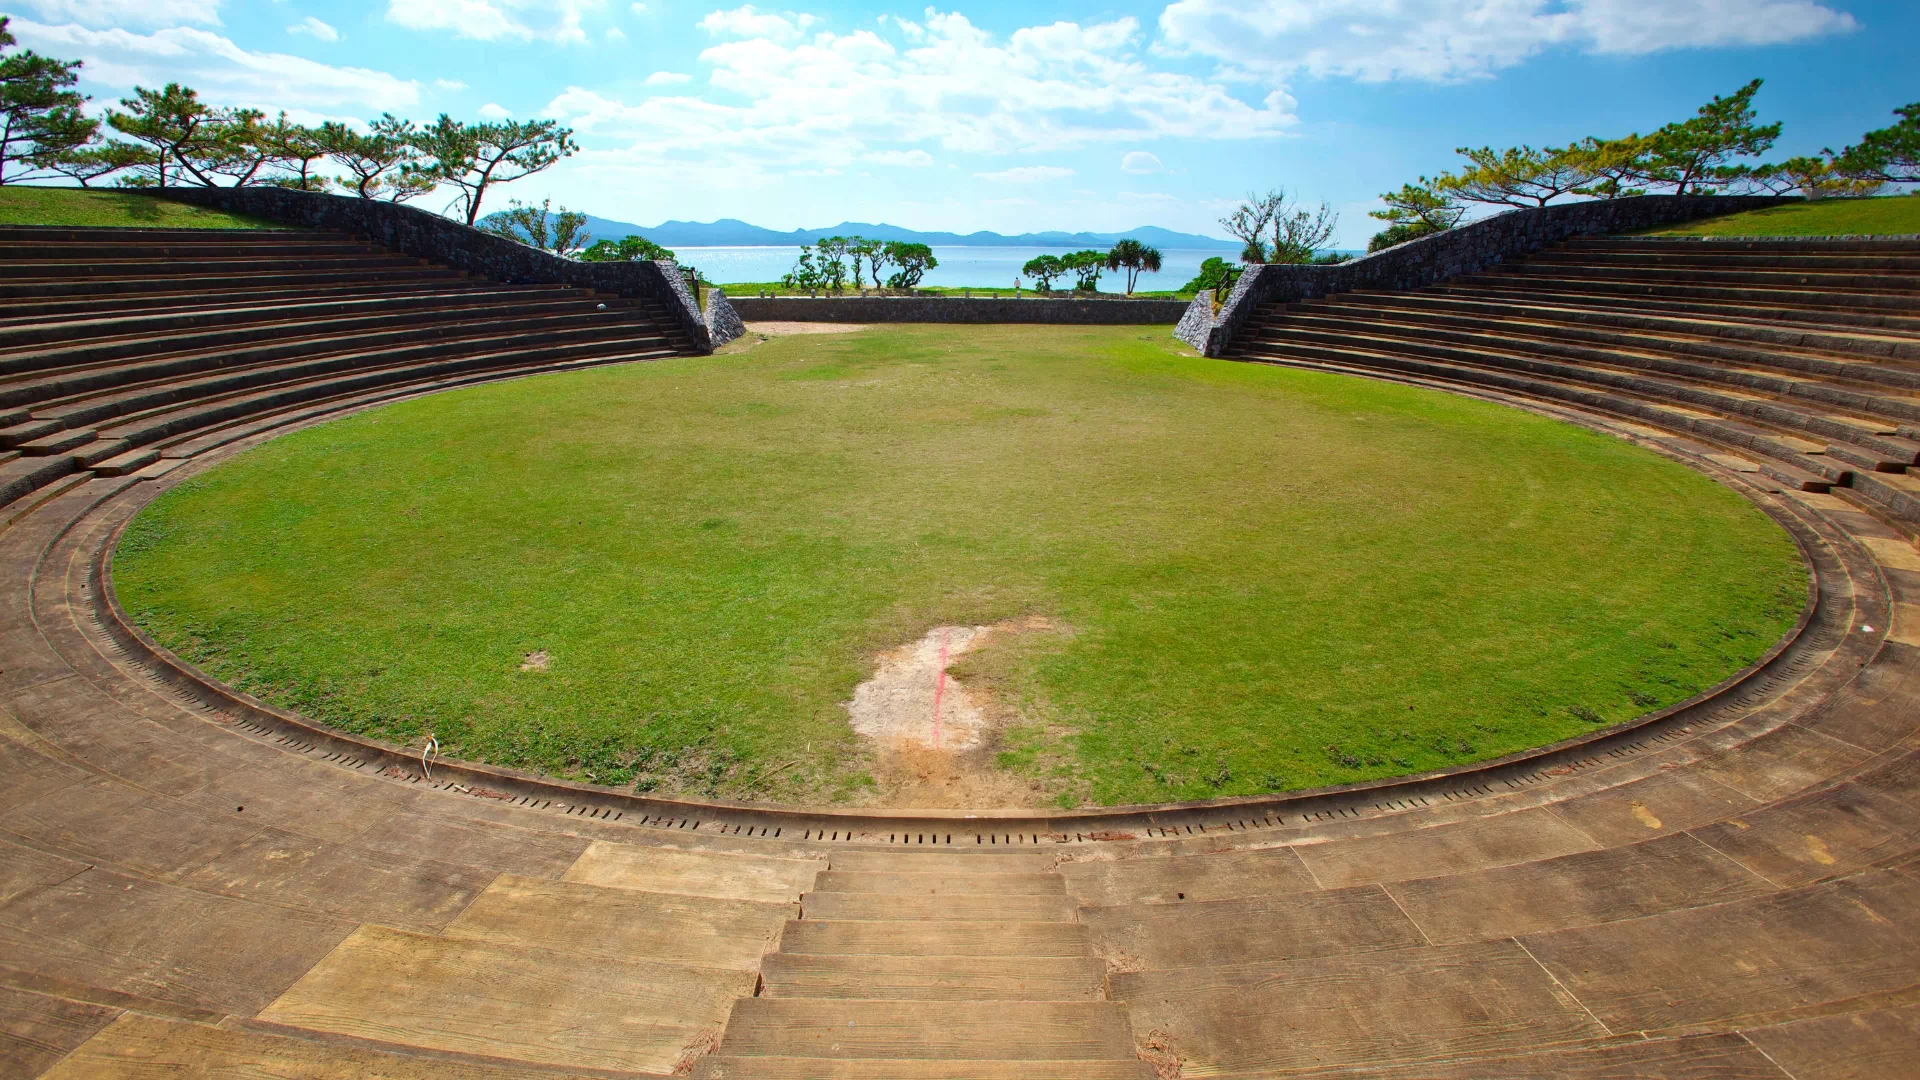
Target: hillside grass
[(1887, 215), (21, 205), (1258, 579)]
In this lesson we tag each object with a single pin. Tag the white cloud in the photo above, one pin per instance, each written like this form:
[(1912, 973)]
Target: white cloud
[(315, 28), (1378, 40), (223, 72), (1025, 174), (450, 84), (614, 33), (667, 78), (911, 159), (125, 13), (747, 21), (638, 9), (1140, 163), (493, 111), (833, 99), (496, 20)]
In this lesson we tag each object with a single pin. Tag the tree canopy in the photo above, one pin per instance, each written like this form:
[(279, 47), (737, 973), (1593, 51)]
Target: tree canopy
[(1133, 257), (40, 117), (630, 248), (561, 232), (1043, 269)]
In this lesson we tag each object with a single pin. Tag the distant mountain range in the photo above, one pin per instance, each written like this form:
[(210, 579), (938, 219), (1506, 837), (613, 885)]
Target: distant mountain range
[(730, 232)]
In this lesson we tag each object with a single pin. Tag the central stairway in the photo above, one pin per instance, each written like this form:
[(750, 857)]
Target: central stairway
[(931, 967)]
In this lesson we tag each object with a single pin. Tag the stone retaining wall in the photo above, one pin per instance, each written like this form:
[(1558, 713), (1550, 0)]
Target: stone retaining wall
[(429, 236), (956, 309), (1465, 250)]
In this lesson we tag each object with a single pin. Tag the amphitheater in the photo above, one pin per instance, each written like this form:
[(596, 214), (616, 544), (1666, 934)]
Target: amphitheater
[(194, 883)]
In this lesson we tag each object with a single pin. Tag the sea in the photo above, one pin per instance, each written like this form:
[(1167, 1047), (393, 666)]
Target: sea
[(960, 266)]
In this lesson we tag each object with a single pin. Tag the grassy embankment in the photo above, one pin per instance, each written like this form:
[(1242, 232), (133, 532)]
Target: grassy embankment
[(1887, 215), (79, 207), (1261, 579)]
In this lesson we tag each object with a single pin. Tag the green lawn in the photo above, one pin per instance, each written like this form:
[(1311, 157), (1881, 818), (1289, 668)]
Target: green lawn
[(1893, 215), (1261, 579), (76, 206)]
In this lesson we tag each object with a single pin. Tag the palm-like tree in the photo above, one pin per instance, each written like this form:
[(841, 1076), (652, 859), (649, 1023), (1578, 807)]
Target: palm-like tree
[(1133, 257)]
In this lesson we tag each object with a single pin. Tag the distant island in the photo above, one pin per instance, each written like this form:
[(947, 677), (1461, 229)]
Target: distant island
[(731, 232)]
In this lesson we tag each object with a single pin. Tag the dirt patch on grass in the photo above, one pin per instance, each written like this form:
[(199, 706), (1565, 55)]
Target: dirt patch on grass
[(536, 660), (932, 735)]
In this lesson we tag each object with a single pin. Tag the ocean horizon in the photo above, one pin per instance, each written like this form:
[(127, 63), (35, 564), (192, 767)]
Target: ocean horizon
[(960, 266)]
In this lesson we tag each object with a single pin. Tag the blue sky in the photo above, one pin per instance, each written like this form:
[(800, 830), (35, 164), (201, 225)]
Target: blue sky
[(1007, 116)]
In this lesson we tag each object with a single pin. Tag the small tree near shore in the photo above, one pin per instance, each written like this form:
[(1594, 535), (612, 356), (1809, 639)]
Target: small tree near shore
[(563, 233), (914, 260), (1043, 269), (1133, 257)]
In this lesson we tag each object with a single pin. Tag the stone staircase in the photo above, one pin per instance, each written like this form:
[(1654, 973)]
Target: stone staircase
[(1799, 360), (121, 349), (935, 966)]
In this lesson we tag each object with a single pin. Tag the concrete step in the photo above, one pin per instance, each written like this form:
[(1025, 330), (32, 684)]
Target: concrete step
[(940, 862), (729, 1067), (1872, 363), (58, 442), (694, 873), (138, 1046), (934, 978), (68, 319), (957, 1030), (1826, 281), (1677, 325), (618, 923), (1708, 258), (23, 475), (953, 906), (1750, 295), (933, 938), (140, 234), (127, 463), (940, 884), (95, 394), (197, 265), (1640, 371), (173, 421), (24, 288), (138, 341), (511, 1002), (1785, 245), (1771, 311), (79, 324)]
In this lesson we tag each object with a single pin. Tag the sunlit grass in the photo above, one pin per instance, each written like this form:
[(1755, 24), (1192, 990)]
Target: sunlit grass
[(81, 207), (1891, 215), (1263, 579)]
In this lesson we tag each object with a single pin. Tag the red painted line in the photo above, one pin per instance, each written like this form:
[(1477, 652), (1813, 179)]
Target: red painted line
[(940, 687)]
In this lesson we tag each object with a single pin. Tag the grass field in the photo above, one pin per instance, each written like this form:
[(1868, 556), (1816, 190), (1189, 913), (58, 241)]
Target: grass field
[(1889, 215), (75, 206), (1258, 579)]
